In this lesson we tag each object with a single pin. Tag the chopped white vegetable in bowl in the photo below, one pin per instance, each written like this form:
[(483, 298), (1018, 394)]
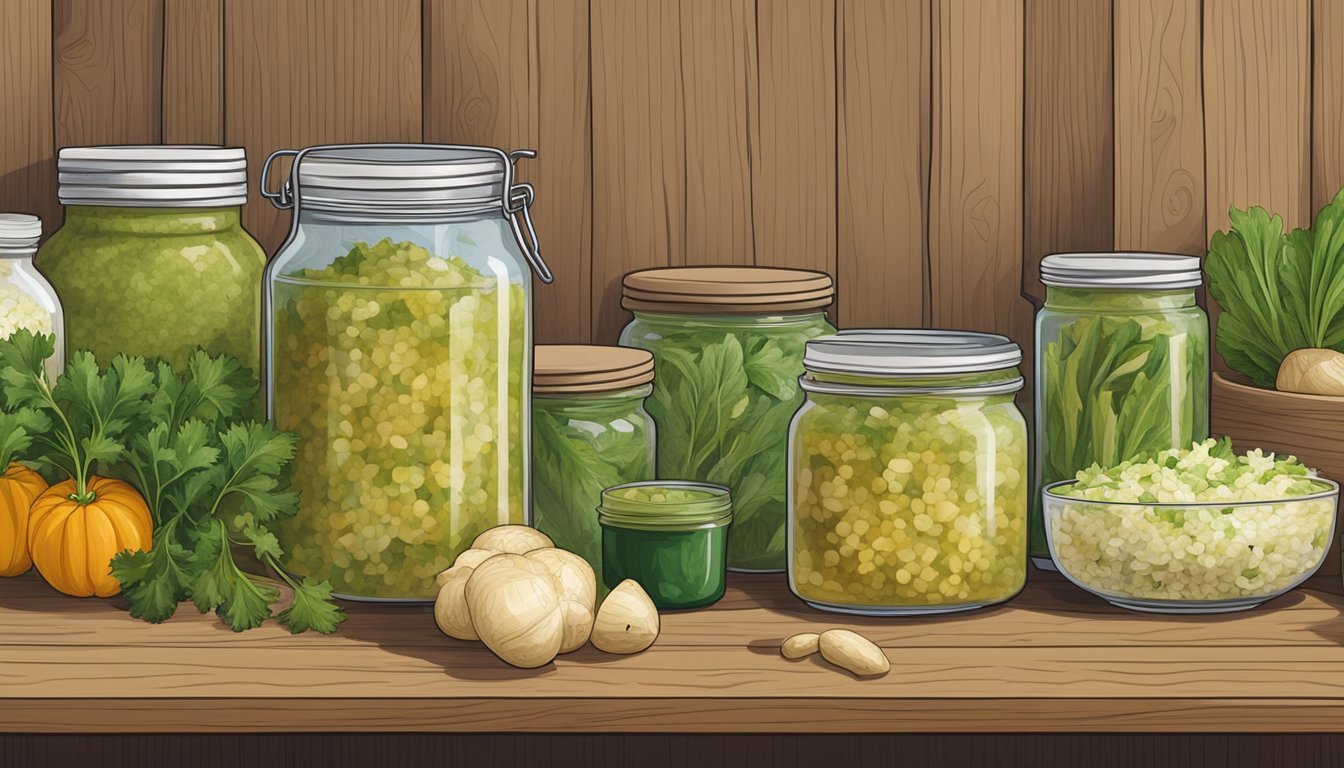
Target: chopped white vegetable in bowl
[(1191, 530)]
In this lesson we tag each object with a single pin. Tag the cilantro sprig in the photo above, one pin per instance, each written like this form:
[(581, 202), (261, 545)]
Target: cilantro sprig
[(214, 478)]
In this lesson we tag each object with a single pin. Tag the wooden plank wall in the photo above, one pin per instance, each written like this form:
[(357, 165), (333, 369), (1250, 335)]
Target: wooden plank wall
[(928, 153)]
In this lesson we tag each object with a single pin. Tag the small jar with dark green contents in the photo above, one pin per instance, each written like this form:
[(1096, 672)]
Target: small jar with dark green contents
[(589, 432), (152, 259), (670, 537)]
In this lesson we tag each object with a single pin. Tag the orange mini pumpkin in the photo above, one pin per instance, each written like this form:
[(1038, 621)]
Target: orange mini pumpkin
[(73, 537), (19, 486)]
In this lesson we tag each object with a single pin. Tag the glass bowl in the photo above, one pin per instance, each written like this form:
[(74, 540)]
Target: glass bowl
[(1210, 557)]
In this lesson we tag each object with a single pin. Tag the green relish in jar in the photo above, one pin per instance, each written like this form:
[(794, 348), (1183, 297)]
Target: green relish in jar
[(669, 536), (909, 473), (153, 259)]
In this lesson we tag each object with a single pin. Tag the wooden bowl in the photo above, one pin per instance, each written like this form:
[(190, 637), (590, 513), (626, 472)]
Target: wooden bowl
[(1310, 427)]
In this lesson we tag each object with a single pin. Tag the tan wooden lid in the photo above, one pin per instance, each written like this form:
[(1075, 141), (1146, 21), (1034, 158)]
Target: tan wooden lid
[(733, 290), (580, 368)]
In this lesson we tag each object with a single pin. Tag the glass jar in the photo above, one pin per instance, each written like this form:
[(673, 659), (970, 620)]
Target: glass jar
[(1122, 366), (589, 432), (728, 347), (27, 300), (671, 537), (909, 474), (152, 259), (398, 338)]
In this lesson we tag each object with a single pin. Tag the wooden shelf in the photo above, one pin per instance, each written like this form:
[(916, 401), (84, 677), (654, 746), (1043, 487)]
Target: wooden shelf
[(1055, 659)]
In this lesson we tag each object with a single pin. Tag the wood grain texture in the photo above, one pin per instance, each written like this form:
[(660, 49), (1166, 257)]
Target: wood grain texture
[(884, 154), (1159, 127), (639, 156), (976, 205), (563, 172), (718, 70), (1054, 660), (27, 157), (1052, 614), (1327, 102), (1070, 155), (108, 72), (492, 78), (1257, 113), (298, 75), (479, 72), (193, 72), (794, 171), (1257, 88)]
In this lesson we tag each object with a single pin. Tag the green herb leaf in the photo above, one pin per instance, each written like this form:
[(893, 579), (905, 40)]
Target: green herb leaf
[(155, 581), (1277, 292), (312, 609), (187, 442), (722, 401), (16, 433)]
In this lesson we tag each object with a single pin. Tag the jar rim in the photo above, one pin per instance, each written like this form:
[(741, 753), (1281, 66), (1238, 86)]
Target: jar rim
[(890, 387), (1121, 269), (729, 290), (902, 353), (559, 369), (713, 511), (182, 175)]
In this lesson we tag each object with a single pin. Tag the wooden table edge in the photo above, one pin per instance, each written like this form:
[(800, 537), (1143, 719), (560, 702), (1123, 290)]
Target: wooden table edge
[(672, 715)]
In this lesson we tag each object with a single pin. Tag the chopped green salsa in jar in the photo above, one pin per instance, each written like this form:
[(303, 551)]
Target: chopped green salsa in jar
[(392, 368), (909, 471)]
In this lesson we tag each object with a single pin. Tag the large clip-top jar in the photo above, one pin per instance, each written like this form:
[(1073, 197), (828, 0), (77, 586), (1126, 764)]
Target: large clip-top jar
[(908, 467), (152, 259), (1122, 365), (398, 342), (27, 300), (728, 346)]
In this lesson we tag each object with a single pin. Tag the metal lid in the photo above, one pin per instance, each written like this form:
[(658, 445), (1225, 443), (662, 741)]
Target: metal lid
[(913, 352), (19, 233), (153, 176), (729, 290), (588, 368), (1154, 271), (417, 177)]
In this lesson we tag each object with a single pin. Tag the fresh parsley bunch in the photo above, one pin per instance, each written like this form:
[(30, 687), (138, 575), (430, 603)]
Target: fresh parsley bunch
[(212, 475)]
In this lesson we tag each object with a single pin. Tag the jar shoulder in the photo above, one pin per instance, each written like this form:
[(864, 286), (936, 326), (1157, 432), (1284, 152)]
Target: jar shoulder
[(671, 330), (82, 249)]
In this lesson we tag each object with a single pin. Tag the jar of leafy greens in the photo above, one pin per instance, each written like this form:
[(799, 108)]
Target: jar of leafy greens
[(398, 341), (589, 432), (1122, 365), (27, 300), (670, 537), (908, 467), (728, 347), (152, 259)]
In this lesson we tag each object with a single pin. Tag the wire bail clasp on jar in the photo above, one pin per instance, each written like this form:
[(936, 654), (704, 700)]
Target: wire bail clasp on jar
[(519, 200), (515, 199)]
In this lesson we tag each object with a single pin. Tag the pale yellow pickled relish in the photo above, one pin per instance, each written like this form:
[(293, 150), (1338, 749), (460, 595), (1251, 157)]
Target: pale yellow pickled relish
[(912, 501), (388, 364)]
